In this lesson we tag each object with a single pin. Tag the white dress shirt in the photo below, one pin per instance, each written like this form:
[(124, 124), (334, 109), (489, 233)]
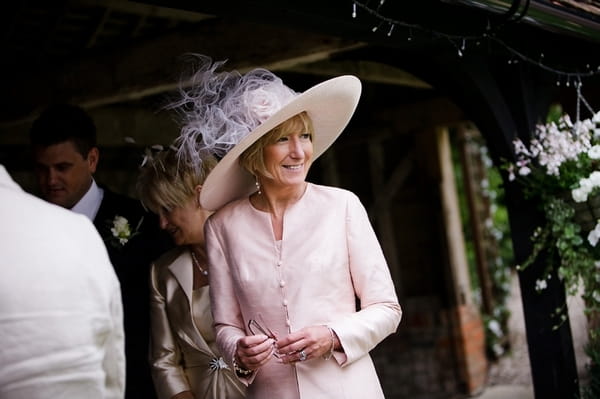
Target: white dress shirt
[(89, 204), (60, 303)]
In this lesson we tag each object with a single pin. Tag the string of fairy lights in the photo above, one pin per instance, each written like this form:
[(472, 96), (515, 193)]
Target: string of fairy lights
[(461, 42)]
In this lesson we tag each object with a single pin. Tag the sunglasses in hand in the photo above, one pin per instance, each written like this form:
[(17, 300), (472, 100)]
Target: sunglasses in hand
[(257, 327)]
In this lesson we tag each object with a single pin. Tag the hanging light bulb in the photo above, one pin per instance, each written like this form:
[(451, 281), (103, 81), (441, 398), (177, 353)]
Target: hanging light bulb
[(391, 30)]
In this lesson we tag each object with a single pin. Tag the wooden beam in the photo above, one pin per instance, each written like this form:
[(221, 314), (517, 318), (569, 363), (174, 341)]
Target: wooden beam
[(457, 258), (470, 189), (415, 116), (147, 10), (381, 209), (407, 119), (366, 70)]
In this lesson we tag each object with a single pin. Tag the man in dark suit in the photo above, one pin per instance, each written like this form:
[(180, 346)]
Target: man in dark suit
[(63, 141)]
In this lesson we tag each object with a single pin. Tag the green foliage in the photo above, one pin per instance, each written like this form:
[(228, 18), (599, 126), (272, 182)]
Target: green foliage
[(554, 113), (497, 234), (500, 267)]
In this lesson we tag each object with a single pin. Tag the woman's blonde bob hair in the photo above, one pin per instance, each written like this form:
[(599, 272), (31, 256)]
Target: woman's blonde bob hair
[(167, 182), (253, 160)]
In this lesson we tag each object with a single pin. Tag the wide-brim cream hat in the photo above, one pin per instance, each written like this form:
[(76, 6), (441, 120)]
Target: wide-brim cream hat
[(330, 105)]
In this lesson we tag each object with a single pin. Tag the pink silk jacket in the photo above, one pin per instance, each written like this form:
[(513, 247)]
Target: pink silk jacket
[(328, 257)]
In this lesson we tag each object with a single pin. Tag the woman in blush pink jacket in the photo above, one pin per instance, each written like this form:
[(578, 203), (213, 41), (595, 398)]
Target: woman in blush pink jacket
[(289, 258)]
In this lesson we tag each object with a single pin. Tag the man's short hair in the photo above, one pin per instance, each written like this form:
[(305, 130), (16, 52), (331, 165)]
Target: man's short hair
[(64, 122)]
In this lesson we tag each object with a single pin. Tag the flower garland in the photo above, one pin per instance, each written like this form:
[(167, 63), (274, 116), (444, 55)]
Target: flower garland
[(560, 168)]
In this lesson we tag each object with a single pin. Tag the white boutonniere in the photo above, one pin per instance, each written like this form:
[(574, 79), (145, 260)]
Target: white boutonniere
[(121, 231)]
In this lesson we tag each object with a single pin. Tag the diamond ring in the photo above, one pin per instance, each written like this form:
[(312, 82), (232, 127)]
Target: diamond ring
[(302, 355)]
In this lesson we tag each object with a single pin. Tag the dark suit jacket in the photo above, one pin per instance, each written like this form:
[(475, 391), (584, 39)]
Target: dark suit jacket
[(132, 265)]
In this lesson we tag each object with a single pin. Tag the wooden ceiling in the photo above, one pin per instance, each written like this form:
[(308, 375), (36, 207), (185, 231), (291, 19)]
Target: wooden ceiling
[(96, 52), (53, 30)]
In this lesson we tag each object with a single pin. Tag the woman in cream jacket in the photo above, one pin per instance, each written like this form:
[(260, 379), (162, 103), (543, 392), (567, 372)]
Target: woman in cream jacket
[(184, 357)]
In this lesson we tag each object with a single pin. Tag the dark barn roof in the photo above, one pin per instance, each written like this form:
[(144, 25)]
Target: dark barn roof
[(42, 40)]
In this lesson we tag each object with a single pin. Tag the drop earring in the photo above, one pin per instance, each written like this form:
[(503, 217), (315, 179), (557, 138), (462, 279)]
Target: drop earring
[(257, 185)]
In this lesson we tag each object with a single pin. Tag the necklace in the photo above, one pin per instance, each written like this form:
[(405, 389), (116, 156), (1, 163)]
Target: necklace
[(197, 264)]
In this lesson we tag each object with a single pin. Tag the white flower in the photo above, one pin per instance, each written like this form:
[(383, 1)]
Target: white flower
[(596, 296), (594, 235), (494, 327), (586, 186), (554, 144), (524, 170), (579, 195), (594, 152), (121, 230), (595, 179), (541, 285), (511, 172)]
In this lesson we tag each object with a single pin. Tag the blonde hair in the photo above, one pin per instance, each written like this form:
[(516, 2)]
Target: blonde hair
[(253, 160), (167, 181)]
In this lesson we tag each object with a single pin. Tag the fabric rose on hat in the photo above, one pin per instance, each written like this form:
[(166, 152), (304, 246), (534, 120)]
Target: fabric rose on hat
[(265, 101)]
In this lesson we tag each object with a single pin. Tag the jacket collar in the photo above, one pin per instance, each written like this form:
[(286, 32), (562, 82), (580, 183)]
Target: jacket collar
[(183, 272)]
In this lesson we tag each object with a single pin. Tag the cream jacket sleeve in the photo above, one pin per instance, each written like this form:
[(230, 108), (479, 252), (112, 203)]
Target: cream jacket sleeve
[(165, 356)]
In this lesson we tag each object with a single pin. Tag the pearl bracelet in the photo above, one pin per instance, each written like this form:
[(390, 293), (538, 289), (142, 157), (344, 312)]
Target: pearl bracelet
[(240, 371), (328, 355)]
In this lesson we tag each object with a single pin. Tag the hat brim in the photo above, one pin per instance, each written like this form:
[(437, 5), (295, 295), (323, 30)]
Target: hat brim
[(330, 105)]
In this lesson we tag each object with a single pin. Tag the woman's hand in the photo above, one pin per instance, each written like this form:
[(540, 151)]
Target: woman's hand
[(254, 351), (306, 344)]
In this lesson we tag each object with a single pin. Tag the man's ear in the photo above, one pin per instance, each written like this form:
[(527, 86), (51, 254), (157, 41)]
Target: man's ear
[(92, 159)]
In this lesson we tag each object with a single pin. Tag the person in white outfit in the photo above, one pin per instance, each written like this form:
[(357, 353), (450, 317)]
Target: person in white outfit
[(60, 303)]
